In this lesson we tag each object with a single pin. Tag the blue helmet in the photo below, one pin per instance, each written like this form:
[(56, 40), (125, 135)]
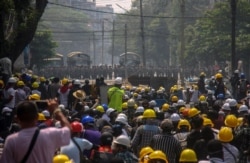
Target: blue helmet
[(105, 107), (87, 119), (242, 76), (220, 96)]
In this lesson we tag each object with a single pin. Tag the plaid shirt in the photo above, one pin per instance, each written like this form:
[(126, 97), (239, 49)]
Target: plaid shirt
[(143, 137), (243, 138), (127, 156)]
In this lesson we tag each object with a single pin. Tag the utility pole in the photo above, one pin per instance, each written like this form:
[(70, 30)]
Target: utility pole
[(102, 39), (126, 72), (182, 36), (233, 19), (94, 48), (142, 36), (113, 46)]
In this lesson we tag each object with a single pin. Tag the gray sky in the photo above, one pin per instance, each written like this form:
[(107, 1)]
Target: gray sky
[(123, 3)]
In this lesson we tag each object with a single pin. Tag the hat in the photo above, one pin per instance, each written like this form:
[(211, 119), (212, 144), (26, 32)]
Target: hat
[(79, 94), (34, 97), (118, 80), (46, 113)]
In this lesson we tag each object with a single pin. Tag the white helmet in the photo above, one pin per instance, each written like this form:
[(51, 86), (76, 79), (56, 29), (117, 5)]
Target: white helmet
[(122, 120), (243, 108), (122, 140), (131, 103), (12, 80), (77, 82), (175, 117), (123, 115), (180, 102), (140, 109), (232, 103), (118, 80), (152, 103), (236, 71), (86, 108), (109, 111), (226, 107), (46, 113)]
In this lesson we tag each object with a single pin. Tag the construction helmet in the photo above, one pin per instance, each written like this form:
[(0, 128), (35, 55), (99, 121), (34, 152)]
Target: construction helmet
[(87, 119), (188, 155), (12, 80), (20, 83), (202, 98), (181, 109), (202, 74), (226, 107), (34, 97), (218, 76), (100, 108), (65, 81), (180, 102), (152, 103), (165, 107), (131, 103), (175, 117), (183, 122), (42, 79), (207, 121), (121, 120), (105, 107), (35, 85), (1, 83), (145, 151), (193, 112), (185, 112), (231, 121), (135, 94), (41, 117), (76, 126), (61, 158), (149, 113), (225, 134), (240, 121), (174, 98), (243, 108), (139, 109), (124, 105), (158, 154), (123, 140)]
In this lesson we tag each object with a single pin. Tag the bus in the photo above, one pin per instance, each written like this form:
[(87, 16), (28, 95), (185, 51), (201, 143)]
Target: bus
[(133, 59), (78, 59)]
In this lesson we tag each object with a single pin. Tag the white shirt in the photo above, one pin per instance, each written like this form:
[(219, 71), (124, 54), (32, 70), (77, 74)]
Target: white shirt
[(48, 140), (63, 97), (72, 151)]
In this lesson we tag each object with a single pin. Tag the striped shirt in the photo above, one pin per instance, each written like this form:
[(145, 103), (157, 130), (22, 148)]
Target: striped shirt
[(169, 145)]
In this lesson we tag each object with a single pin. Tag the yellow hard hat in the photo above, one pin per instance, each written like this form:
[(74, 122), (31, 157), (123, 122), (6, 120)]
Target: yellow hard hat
[(207, 121), (218, 76), (135, 94), (34, 97), (181, 109), (202, 98), (61, 158), (188, 155), (149, 113), (41, 117), (20, 83), (1, 84), (100, 108), (131, 103), (145, 151), (240, 121), (65, 81), (193, 112), (231, 121), (174, 98), (158, 154), (35, 85), (225, 134), (202, 74), (183, 122), (124, 105), (165, 107), (42, 79)]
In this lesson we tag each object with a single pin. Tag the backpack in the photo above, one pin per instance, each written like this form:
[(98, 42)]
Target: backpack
[(102, 157)]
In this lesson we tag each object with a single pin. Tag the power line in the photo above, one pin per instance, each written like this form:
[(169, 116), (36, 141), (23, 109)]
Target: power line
[(132, 15)]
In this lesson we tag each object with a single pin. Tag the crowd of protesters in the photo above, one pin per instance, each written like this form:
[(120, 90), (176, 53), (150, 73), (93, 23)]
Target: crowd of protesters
[(60, 120)]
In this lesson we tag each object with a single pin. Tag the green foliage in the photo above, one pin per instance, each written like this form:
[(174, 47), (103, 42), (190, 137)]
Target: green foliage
[(42, 47), (211, 36)]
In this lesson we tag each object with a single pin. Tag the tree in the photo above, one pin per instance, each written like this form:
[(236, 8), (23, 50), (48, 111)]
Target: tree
[(18, 23), (211, 35), (42, 47)]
